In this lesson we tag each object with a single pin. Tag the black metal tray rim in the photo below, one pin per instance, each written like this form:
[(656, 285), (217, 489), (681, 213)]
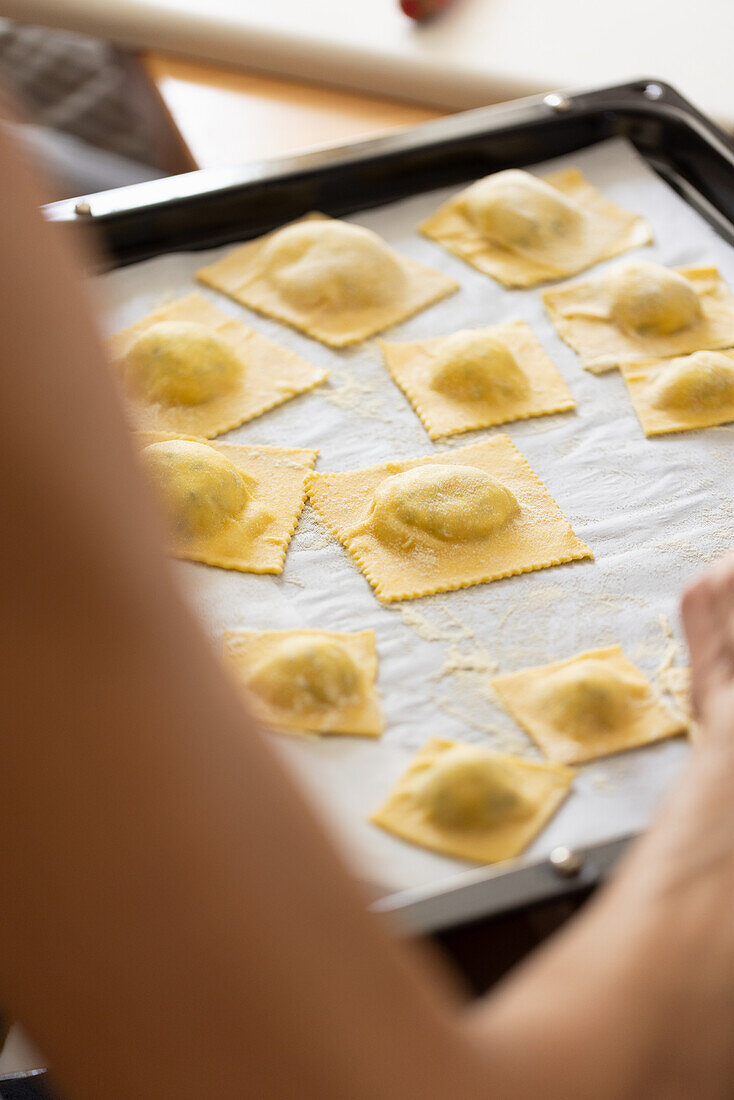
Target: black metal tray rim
[(645, 96), (488, 891)]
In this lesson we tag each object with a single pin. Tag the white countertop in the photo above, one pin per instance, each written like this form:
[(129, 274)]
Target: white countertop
[(479, 51)]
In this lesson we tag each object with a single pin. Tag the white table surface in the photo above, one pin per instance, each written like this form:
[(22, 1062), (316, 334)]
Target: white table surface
[(479, 51)]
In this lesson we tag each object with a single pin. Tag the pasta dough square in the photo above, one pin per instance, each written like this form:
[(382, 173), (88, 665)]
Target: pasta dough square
[(680, 395), (270, 374), (241, 520), (465, 801), (492, 516), (587, 706), (525, 250), (583, 317), (441, 378), (339, 284), (311, 680)]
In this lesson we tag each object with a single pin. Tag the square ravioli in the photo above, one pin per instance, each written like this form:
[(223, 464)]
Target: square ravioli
[(590, 705), (641, 310), (190, 369), (231, 505), (443, 522), (477, 378), (523, 229), (465, 801), (680, 395), (316, 681), (335, 281)]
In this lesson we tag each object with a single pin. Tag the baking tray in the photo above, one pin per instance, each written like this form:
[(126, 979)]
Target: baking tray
[(208, 208)]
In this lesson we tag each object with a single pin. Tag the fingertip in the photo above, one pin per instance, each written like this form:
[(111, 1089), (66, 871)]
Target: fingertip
[(696, 608), (694, 593)]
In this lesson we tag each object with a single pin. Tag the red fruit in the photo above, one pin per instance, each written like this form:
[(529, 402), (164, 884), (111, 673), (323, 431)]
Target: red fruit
[(423, 9)]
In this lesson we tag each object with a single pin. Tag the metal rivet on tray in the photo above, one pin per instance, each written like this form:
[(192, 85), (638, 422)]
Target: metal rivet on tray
[(566, 862), (83, 210), (557, 102), (653, 91)]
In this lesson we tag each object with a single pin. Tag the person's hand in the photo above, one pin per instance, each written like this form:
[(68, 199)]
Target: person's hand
[(708, 619)]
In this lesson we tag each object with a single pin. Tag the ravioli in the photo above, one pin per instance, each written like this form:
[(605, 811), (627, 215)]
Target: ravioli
[(587, 706), (465, 801), (523, 230), (187, 368), (229, 505), (477, 378), (680, 395), (640, 310), (335, 281), (317, 681), (443, 522)]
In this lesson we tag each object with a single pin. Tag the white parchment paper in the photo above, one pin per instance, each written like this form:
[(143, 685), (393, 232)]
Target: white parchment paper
[(653, 511)]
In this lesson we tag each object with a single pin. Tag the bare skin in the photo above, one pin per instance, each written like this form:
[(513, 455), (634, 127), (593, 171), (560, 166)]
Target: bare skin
[(161, 930)]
